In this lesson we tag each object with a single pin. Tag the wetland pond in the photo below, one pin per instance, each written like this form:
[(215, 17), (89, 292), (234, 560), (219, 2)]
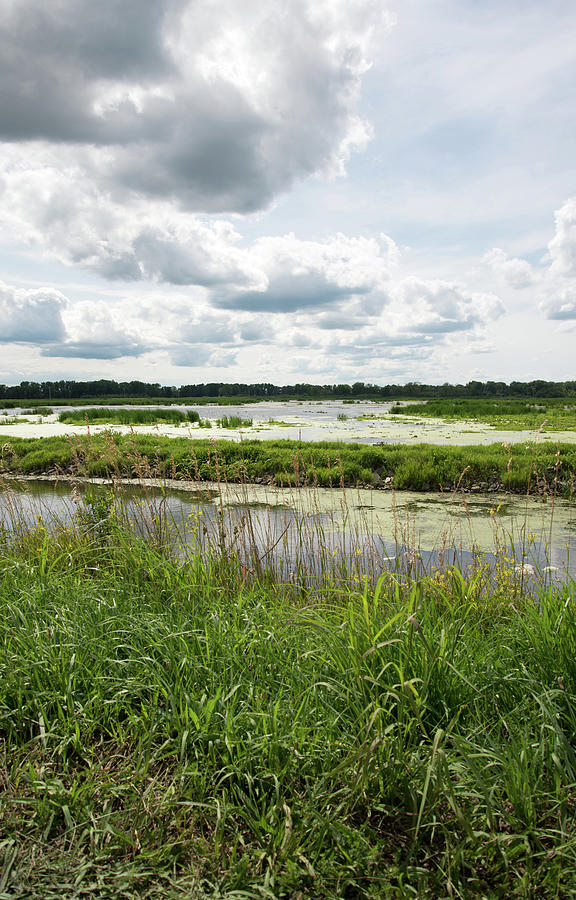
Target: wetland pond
[(364, 422), (315, 530)]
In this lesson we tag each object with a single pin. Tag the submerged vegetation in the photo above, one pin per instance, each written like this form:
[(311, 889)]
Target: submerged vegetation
[(547, 414), (537, 467), (189, 725)]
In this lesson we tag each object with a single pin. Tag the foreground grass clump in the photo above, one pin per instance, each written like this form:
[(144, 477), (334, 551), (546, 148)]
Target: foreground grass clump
[(536, 468), (553, 414), (183, 728)]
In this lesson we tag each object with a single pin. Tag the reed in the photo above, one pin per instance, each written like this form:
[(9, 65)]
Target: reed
[(106, 416), (233, 422)]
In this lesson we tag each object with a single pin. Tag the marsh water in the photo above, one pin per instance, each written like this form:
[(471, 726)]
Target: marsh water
[(310, 529), (365, 422)]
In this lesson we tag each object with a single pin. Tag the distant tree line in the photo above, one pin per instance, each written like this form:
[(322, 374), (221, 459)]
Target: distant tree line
[(53, 391)]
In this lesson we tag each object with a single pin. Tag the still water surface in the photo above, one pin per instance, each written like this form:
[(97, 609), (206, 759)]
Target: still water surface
[(305, 528)]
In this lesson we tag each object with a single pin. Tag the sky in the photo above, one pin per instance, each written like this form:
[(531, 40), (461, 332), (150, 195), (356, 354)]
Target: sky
[(322, 191)]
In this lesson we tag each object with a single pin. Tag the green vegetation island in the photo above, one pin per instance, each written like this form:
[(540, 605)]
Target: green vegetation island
[(537, 413), (545, 469)]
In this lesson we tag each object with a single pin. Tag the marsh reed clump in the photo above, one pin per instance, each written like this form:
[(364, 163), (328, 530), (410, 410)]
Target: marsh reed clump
[(233, 422), (106, 416)]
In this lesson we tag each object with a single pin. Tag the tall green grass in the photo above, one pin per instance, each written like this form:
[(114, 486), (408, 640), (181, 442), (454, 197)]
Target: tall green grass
[(176, 726)]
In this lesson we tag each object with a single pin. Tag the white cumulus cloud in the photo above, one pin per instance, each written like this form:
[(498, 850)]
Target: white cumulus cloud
[(562, 247), (517, 273), (298, 274), (31, 316)]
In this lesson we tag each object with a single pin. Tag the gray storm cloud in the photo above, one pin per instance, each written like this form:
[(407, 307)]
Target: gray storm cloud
[(127, 125), (57, 60), (215, 106)]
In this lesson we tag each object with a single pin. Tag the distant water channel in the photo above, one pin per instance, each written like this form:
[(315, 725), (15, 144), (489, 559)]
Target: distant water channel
[(309, 530)]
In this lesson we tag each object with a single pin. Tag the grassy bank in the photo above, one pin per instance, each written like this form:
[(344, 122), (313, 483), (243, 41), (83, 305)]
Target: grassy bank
[(185, 728), (518, 467), (558, 414)]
